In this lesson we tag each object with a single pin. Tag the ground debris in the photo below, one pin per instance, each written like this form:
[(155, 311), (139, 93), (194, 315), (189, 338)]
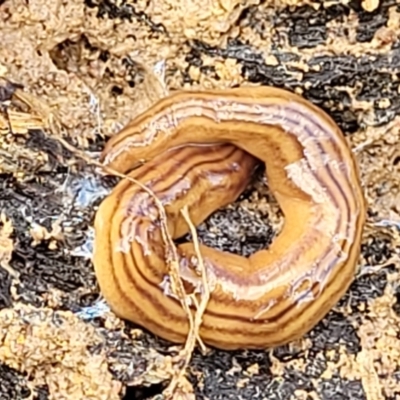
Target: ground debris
[(52, 349)]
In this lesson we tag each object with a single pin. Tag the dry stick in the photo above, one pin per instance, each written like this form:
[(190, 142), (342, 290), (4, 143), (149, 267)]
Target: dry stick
[(206, 289), (171, 252), (194, 332)]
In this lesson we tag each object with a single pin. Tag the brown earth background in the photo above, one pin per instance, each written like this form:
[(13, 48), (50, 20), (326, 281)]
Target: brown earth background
[(80, 70)]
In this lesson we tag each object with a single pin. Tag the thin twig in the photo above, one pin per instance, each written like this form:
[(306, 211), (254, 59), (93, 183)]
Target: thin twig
[(194, 335)]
